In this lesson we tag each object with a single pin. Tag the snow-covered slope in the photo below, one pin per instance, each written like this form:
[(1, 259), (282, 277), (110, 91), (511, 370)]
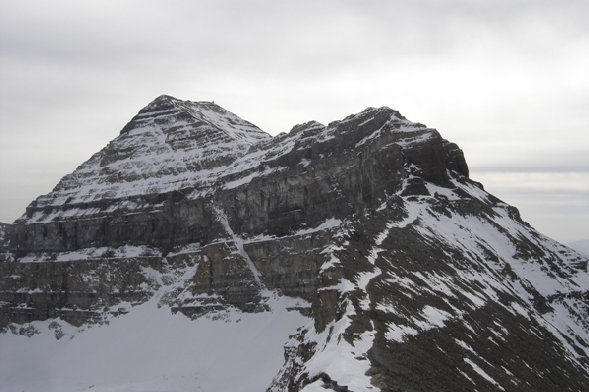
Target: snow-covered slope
[(152, 350), (449, 292), (361, 250)]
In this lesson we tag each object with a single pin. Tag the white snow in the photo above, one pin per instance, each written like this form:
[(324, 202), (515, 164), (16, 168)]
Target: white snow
[(411, 141), (399, 333), (446, 192), (327, 224), (464, 345), (190, 248), (427, 319), (472, 190), (372, 136), (248, 178), (316, 386), (150, 349), (483, 374), (433, 317), (345, 363), (332, 259), (466, 376), (304, 162)]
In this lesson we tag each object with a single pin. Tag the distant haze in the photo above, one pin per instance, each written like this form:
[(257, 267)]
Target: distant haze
[(506, 80), (581, 246)]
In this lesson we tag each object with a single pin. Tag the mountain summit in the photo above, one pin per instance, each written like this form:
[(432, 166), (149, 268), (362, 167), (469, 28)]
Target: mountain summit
[(353, 256), (168, 146)]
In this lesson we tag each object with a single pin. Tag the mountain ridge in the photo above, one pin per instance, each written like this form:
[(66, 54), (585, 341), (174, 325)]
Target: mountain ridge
[(408, 275)]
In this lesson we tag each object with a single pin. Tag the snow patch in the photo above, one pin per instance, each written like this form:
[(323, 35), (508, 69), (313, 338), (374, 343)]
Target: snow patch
[(345, 363), (483, 374)]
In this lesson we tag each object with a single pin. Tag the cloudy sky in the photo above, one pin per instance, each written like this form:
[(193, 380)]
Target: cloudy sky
[(506, 80)]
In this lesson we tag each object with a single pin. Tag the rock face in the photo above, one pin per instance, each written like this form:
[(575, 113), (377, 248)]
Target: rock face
[(415, 277)]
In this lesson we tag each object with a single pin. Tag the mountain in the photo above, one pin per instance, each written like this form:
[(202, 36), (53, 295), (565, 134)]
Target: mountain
[(196, 252)]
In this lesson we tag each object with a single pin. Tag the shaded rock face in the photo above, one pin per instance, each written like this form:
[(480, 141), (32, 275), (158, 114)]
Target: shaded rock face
[(415, 277)]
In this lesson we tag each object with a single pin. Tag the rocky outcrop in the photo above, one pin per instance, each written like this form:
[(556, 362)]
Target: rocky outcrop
[(76, 292), (6, 247), (415, 277)]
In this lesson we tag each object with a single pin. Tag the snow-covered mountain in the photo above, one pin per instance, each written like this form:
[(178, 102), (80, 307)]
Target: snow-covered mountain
[(196, 252), (170, 145)]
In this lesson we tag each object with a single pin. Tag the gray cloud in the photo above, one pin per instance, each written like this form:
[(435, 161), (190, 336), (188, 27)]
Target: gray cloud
[(506, 80)]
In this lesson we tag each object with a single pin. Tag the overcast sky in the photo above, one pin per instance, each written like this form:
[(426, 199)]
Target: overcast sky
[(506, 80)]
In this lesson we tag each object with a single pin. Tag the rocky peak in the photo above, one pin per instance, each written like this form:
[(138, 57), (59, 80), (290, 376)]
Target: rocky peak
[(166, 110), (169, 145)]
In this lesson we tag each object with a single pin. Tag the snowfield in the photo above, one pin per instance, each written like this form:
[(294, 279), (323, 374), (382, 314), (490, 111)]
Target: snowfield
[(160, 352)]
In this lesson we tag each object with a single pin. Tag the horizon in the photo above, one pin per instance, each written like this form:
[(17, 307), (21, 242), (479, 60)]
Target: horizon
[(506, 82)]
